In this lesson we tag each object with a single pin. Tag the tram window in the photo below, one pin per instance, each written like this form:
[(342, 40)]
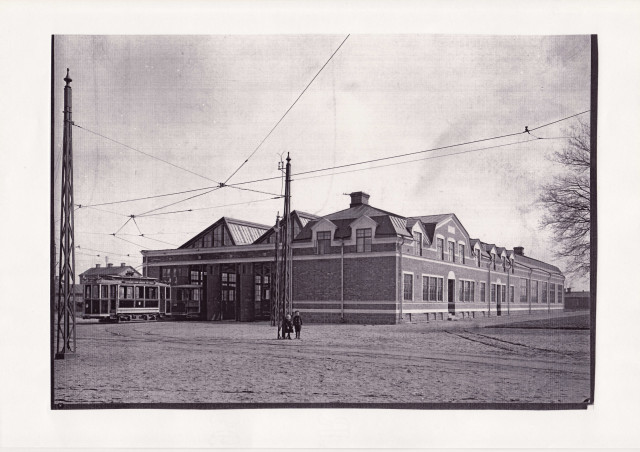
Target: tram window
[(168, 292), (151, 293), (87, 291), (104, 291), (112, 291), (126, 291), (94, 291), (195, 295)]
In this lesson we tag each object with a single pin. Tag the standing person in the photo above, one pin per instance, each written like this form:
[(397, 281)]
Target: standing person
[(297, 323), (287, 327)]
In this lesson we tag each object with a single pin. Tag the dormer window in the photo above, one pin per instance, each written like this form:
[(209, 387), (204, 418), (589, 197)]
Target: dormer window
[(363, 240), (323, 242), (478, 257), (504, 263), (417, 236), (493, 260)]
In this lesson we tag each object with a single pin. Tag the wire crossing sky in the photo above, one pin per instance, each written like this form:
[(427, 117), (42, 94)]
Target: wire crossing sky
[(200, 103)]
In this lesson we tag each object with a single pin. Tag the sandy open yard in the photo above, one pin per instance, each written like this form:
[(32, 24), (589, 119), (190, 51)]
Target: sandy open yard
[(535, 359)]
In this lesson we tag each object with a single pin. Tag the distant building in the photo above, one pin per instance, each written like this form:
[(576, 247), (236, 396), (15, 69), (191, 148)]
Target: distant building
[(109, 270), (575, 301), (361, 265)]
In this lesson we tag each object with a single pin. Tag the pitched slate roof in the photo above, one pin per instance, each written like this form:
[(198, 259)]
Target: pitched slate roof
[(535, 263), (430, 222), (389, 224), (108, 271)]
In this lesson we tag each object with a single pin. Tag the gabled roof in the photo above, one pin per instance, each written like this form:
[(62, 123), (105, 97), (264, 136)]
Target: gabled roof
[(108, 271), (430, 221), (242, 232)]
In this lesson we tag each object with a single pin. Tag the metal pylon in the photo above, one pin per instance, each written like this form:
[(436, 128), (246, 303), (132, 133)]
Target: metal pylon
[(65, 306)]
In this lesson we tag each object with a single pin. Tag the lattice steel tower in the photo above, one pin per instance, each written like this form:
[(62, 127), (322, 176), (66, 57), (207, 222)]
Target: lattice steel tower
[(66, 331)]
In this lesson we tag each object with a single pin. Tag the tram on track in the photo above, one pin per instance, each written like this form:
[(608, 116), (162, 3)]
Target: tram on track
[(126, 298), (185, 302)]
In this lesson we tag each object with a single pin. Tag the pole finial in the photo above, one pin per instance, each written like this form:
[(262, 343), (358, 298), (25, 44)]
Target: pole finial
[(67, 78), (288, 158)]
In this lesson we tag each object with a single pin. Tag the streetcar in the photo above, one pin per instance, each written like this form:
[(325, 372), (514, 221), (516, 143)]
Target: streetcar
[(185, 302), (126, 298)]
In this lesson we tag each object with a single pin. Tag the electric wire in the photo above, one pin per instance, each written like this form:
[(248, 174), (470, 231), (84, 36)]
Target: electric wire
[(286, 112), (210, 207)]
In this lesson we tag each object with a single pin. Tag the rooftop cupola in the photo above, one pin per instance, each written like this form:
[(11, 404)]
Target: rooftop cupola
[(359, 198)]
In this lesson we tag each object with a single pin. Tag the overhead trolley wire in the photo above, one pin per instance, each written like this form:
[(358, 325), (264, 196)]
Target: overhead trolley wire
[(206, 208), (286, 112)]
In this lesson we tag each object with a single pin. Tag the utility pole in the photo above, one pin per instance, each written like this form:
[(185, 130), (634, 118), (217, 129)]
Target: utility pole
[(66, 330), (287, 251), (275, 310)]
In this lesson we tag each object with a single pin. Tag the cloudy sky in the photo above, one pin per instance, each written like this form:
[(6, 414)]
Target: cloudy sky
[(204, 103)]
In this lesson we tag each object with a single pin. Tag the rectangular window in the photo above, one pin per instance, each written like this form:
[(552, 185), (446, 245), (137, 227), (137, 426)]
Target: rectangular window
[(324, 242), (104, 291), (511, 294), (467, 291), (87, 291), (452, 252), (139, 292), (435, 284), (206, 243), (440, 248), (493, 261), (534, 291), (363, 240), (461, 247), (425, 288), (493, 293), (408, 287), (544, 292), (560, 290), (472, 297), (504, 263), (552, 293), (151, 293), (94, 291), (417, 236), (483, 292), (460, 290), (523, 291), (478, 258)]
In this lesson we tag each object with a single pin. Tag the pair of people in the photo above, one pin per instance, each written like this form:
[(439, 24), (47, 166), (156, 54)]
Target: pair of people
[(289, 324)]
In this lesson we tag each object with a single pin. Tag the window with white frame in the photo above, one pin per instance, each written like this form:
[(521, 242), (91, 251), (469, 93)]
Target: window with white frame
[(493, 293), (461, 248), (408, 287), (432, 288), (452, 251), (552, 293), (440, 248), (544, 292), (523, 290), (483, 292)]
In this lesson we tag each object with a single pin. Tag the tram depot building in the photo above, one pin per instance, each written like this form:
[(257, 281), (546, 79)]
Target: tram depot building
[(358, 265)]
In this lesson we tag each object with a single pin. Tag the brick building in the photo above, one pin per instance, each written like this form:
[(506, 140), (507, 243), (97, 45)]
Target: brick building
[(360, 265)]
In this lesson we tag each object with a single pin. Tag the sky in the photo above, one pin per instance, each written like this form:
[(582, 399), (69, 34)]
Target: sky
[(204, 103)]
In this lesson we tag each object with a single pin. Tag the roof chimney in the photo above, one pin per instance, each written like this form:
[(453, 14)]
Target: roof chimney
[(359, 198), (519, 250), (109, 265), (122, 264), (97, 265)]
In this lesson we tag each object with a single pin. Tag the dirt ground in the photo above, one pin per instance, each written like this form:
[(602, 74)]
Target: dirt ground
[(437, 362)]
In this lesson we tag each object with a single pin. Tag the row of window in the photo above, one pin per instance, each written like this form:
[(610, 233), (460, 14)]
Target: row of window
[(363, 241), (432, 290), (218, 237), (106, 291), (551, 289)]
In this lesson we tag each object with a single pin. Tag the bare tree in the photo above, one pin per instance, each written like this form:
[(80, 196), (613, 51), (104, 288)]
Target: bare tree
[(567, 201)]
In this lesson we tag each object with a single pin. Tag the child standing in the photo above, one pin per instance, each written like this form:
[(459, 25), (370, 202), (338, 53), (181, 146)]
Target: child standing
[(287, 327), (297, 323)]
